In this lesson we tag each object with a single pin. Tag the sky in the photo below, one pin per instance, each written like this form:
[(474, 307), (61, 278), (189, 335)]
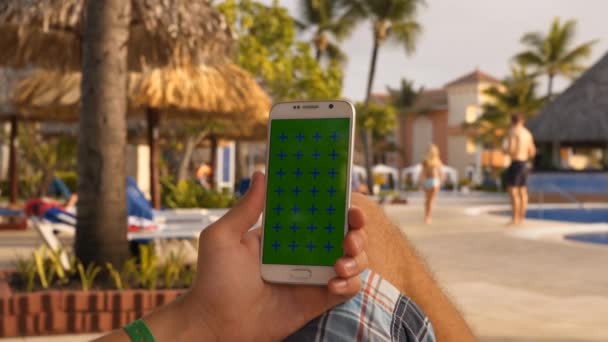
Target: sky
[(461, 35)]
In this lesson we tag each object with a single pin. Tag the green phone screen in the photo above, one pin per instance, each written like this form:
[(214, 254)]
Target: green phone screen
[(306, 191)]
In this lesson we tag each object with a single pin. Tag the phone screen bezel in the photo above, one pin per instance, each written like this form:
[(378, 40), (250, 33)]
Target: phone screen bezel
[(319, 275)]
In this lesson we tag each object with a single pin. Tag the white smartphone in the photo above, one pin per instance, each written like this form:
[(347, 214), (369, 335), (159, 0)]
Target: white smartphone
[(308, 169)]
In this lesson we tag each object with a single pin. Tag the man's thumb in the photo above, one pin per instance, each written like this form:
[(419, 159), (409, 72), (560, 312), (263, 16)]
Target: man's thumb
[(247, 211)]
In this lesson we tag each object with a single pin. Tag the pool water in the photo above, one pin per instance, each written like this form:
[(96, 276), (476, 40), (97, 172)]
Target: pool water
[(578, 215), (599, 238)]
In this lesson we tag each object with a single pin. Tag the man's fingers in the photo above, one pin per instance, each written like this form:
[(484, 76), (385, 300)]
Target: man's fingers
[(356, 218), (344, 287), (247, 211), (351, 266), (354, 242)]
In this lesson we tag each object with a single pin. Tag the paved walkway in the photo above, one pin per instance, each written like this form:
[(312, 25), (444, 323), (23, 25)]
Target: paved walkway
[(508, 288)]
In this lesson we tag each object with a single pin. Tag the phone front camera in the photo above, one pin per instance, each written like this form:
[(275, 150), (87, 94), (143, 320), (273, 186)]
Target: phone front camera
[(331, 106)]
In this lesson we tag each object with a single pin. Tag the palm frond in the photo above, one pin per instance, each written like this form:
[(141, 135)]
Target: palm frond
[(334, 52), (530, 58), (406, 33)]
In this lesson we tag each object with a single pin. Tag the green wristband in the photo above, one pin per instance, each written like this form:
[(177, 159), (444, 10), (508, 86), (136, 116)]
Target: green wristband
[(138, 331)]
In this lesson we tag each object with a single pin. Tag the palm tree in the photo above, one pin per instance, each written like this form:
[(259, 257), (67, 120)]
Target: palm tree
[(102, 215), (332, 22), (516, 94), (392, 20), (404, 96), (553, 54)]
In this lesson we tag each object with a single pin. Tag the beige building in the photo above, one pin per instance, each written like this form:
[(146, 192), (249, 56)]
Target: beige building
[(437, 117)]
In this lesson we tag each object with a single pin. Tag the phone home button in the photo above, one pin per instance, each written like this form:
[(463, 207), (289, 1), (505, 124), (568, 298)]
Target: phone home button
[(300, 274)]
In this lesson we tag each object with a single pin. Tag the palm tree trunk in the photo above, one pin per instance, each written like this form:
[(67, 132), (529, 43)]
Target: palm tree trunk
[(213, 160), (12, 161), (101, 231), (366, 134), (153, 135), (191, 144), (239, 166), (550, 86)]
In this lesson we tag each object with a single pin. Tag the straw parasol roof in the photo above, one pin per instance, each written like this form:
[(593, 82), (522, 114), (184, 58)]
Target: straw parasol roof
[(47, 33), (579, 114), (222, 93)]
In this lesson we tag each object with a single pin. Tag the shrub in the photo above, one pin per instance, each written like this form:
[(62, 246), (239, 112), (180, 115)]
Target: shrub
[(190, 194)]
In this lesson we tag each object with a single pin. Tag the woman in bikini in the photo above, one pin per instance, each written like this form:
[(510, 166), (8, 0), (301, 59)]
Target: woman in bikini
[(430, 180)]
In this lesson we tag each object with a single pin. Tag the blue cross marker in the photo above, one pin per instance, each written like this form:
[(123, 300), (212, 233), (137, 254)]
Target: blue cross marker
[(330, 228), (294, 227), (282, 137), (311, 227), (330, 210), (310, 246), (300, 137), (276, 227), (295, 209), (281, 173), (293, 245), (315, 173), (298, 155), (331, 191), (334, 136), (332, 172), (328, 246), (279, 191), (281, 155), (278, 209), (333, 155), (313, 209), (298, 173), (316, 155), (317, 136), (314, 191), (276, 245), (296, 191)]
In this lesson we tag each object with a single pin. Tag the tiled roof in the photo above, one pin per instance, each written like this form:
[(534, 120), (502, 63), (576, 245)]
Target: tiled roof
[(476, 76)]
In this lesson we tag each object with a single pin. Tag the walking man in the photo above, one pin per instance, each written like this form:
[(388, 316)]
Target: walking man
[(521, 149)]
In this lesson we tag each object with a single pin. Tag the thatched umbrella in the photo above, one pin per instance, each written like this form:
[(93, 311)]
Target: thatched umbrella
[(580, 113), (577, 116), (47, 33), (224, 94)]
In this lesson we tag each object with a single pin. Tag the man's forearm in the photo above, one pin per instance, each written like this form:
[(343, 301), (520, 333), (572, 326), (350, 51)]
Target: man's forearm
[(418, 283), (392, 256), (168, 323)]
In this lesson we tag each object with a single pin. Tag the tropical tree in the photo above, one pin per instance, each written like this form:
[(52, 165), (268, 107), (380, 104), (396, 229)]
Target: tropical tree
[(102, 210), (331, 22), (392, 21), (553, 54), (515, 95), (267, 47), (404, 96), (380, 119)]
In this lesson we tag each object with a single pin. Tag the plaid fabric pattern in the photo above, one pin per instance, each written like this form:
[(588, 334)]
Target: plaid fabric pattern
[(377, 313)]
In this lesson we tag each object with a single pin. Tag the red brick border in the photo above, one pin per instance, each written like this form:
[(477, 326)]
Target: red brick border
[(73, 311)]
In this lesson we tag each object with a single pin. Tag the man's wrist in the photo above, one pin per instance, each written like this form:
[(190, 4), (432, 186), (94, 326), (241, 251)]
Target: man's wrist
[(181, 320)]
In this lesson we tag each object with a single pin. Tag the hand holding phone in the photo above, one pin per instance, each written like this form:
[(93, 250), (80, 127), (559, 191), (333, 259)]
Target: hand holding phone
[(308, 191)]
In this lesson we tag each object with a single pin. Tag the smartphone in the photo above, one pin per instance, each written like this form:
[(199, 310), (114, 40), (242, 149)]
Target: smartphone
[(308, 170)]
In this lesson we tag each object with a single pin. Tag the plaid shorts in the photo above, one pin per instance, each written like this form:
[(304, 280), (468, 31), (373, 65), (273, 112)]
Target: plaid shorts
[(379, 312)]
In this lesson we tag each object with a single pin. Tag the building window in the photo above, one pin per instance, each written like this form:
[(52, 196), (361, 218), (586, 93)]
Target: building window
[(471, 146)]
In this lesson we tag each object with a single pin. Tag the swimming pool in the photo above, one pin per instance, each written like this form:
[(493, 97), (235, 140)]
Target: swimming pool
[(578, 215), (598, 237)]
